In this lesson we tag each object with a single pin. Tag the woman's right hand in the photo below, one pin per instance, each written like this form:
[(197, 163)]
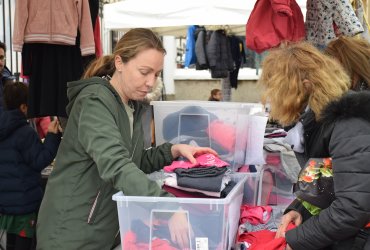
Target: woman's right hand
[(290, 217), (179, 229)]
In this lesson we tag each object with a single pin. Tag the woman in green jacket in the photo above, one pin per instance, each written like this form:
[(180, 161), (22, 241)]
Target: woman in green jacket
[(102, 150)]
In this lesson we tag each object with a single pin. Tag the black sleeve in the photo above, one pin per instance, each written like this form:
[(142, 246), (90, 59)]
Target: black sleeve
[(296, 205)]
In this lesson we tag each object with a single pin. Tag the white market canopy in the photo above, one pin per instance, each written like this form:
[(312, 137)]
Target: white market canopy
[(171, 17)]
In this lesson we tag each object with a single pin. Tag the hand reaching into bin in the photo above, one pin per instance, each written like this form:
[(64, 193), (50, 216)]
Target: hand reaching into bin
[(180, 230), (179, 225)]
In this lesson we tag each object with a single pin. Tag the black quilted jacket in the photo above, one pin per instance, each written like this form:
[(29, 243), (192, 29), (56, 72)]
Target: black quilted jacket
[(343, 134)]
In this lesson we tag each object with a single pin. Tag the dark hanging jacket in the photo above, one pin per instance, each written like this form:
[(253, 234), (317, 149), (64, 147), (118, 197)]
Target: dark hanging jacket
[(219, 55), (200, 48), (22, 157), (238, 56), (343, 133)]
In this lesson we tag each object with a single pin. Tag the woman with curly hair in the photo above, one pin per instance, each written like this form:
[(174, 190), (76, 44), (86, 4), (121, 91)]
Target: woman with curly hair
[(306, 87)]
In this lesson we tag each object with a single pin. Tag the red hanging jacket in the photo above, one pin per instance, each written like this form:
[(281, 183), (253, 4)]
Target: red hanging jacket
[(274, 21)]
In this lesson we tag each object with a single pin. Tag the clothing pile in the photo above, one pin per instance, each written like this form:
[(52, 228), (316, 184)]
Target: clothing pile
[(257, 228), (207, 178)]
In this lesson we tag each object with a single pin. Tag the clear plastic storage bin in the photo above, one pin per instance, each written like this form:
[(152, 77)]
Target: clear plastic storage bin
[(275, 187), (251, 187), (214, 222), (223, 126)]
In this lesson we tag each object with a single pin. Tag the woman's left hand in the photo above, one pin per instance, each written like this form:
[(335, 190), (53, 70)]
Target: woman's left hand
[(288, 247), (189, 151)]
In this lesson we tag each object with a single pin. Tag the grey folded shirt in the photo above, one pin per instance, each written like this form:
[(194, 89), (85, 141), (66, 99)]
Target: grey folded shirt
[(202, 178)]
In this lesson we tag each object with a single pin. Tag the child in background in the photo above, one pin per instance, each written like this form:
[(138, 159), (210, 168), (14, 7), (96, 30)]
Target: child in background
[(22, 158)]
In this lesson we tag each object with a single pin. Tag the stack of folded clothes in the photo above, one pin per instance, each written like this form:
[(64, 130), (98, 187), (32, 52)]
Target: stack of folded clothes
[(207, 178)]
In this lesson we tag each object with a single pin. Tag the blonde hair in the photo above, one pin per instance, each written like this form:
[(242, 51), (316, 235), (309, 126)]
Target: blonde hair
[(297, 75), (354, 55), (131, 43)]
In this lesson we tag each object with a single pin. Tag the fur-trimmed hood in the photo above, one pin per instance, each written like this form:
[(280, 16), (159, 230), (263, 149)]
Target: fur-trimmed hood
[(352, 104)]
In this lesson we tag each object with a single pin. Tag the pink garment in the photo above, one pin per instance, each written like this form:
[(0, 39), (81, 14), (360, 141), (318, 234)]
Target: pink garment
[(205, 160), (274, 21), (272, 159), (222, 133), (255, 214)]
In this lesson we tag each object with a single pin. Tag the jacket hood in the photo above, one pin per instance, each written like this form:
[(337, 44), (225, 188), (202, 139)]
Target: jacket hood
[(352, 104), (11, 120), (74, 88)]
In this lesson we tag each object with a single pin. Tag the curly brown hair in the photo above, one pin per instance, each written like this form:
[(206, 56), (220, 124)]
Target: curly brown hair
[(296, 75)]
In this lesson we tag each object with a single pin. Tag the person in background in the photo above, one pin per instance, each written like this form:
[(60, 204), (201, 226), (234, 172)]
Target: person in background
[(5, 74), (304, 85), (23, 156), (354, 55), (102, 150), (216, 95)]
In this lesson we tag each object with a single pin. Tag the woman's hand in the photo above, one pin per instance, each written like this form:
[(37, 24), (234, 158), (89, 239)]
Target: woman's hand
[(291, 217), (288, 247), (180, 229), (189, 151)]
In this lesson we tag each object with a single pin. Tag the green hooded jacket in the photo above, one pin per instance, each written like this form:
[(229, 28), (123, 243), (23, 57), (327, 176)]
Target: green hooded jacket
[(96, 159)]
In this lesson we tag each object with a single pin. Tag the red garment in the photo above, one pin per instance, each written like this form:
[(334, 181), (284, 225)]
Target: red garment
[(255, 214), (274, 21), (264, 239), (97, 39), (42, 124), (129, 243)]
